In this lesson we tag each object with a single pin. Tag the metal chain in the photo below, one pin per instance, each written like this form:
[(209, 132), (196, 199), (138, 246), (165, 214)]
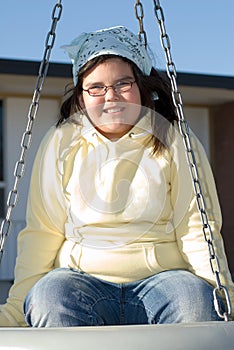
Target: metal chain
[(27, 135), (139, 12), (185, 132)]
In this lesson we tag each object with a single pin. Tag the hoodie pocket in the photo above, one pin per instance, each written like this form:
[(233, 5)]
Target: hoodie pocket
[(164, 256)]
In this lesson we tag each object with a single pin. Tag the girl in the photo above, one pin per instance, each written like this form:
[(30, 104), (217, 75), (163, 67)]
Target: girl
[(113, 232)]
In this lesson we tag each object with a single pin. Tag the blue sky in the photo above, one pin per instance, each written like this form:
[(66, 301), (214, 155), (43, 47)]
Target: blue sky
[(201, 31)]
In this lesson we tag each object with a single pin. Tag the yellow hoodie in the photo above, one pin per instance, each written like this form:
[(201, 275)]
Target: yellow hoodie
[(114, 211)]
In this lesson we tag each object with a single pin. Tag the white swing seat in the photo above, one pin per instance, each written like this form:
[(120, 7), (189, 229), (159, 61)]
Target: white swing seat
[(195, 336)]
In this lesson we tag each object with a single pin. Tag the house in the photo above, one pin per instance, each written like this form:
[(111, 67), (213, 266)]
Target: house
[(208, 106)]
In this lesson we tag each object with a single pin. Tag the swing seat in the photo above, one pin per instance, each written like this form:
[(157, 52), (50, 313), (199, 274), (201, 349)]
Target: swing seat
[(194, 336)]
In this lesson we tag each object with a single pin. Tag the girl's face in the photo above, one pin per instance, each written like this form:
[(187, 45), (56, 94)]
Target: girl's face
[(114, 113)]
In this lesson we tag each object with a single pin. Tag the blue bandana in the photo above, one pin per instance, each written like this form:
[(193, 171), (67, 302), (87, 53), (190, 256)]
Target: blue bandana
[(117, 41)]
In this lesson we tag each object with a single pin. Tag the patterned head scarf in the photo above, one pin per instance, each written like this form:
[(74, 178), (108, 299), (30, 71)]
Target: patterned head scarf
[(117, 41)]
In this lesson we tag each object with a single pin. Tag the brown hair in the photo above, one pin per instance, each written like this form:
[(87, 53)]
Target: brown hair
[(156, 82)]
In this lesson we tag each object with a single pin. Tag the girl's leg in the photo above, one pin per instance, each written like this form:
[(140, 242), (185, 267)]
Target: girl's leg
[(67, 298), (171, 297)]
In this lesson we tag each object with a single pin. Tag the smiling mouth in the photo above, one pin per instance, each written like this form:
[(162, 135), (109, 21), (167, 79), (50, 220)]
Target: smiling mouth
[(113, 110)]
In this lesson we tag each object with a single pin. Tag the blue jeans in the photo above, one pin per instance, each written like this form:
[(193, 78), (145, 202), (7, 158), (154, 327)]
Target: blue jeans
[(66, 298)]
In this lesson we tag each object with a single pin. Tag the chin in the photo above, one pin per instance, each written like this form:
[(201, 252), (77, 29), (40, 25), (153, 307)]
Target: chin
[(115, 133), (118, 130)]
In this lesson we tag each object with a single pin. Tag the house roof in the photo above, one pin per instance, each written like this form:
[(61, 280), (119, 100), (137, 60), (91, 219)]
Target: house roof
[(195, 88), (63, 70)]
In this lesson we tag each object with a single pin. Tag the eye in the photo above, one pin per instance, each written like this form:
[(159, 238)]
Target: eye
[(98, 87), (121, 84)]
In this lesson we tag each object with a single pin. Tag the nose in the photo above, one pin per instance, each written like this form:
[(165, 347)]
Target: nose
[(111, 94)]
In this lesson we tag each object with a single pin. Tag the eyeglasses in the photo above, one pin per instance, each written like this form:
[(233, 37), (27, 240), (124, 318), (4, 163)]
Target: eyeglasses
[(100, 90)]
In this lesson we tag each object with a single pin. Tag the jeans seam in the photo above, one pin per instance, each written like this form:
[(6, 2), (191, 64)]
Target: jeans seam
[(101, 299)]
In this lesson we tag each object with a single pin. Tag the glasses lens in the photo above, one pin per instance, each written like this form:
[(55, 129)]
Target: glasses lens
[(122, 86), (97, 91)]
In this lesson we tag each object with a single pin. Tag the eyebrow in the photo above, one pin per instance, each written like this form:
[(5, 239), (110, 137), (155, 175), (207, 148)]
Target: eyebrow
[(125, 77)]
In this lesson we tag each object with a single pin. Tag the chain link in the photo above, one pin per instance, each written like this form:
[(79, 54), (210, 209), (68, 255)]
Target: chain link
[(139, 12), (27, 135), (185, 132)]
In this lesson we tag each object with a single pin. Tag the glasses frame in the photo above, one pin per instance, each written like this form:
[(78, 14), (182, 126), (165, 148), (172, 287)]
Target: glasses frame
[(106, 87)]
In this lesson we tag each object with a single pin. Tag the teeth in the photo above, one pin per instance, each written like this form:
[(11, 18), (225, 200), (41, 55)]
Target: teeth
[(114, 110)]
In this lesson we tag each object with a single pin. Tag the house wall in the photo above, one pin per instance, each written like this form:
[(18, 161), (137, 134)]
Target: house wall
[(15, 121), (198, 118)]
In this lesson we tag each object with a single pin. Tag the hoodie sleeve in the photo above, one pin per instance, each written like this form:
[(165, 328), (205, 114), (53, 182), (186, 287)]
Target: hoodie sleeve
[(187, 220), (43, 236)]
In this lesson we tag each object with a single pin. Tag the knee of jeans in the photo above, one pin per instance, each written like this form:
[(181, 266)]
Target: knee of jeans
[(189, 298), (197, 302), (44, 295), (47, 290)]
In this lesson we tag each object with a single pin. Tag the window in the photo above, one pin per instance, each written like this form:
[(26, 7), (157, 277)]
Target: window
[(2, 183)]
